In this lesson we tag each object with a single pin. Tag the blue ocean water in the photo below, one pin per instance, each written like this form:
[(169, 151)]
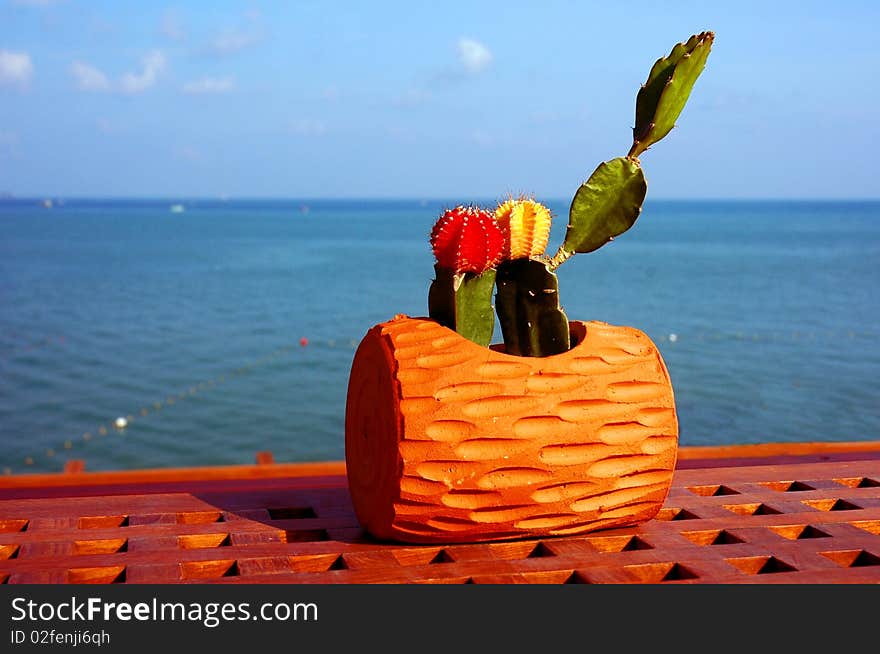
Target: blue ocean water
[(189, 323)]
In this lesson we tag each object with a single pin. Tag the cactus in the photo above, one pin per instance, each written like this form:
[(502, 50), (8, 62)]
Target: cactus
[(532, 320), (664, 94), (467, 244), (605, 206), (610, 201), (527, 301), (527, 225)]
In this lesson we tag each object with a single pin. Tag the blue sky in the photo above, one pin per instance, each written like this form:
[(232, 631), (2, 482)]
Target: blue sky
[(428, 99)]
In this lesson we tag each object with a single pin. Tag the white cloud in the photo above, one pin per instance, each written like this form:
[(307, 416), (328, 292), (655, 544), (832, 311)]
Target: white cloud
[(188, 153), (209, 85), (89, 78), (544, 118), (15, 67), (171, 26), (36, 3), (9, 145), (401, 134), (107, 126), (411, 98), (153, 65), (232, 42), (308, 127), (482, 138), (473, 55), (246, 33)]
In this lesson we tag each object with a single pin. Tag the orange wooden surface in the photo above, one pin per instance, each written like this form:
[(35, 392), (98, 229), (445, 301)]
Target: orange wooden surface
[(808, 517)]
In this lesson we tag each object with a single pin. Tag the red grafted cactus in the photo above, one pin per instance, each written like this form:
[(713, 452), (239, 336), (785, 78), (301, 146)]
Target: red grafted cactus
[(467, 244), (467, 240)]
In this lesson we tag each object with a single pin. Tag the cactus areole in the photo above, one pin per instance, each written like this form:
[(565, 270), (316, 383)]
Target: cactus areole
[(565, 427)]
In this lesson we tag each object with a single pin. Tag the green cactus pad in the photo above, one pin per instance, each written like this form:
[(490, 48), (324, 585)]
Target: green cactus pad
[(527, 302), (463, 302), (605, 206), (663, 96)]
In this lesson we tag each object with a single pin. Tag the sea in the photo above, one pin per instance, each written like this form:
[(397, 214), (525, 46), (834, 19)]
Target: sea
[(155, 333)]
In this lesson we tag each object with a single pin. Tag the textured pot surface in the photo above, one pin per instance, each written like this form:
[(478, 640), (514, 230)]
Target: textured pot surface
[(447, 441)]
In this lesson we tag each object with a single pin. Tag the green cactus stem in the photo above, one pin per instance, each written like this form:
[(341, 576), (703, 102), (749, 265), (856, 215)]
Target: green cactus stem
[(604, 206), (463, 302), (610, 201), (527, 303), (663, 96)]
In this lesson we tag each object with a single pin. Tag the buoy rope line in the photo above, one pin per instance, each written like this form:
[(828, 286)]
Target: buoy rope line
[(795, 336), (31, 346), (122, 422)]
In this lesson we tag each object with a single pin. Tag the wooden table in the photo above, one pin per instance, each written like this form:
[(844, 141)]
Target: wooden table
[(775, 513)]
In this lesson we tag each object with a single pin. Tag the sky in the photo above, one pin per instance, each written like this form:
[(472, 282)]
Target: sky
[(429, 99)]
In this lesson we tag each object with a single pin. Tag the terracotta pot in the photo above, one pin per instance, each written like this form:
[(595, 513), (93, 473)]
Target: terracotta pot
[(447, 441)]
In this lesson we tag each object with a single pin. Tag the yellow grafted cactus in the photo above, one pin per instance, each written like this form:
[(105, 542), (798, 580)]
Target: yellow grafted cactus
[(527, 226)]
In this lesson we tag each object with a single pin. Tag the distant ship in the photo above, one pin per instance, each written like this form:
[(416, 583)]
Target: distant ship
[(47, 203), (177, 208)]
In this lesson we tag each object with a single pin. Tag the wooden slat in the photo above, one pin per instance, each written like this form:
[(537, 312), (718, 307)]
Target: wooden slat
[(812, 520)]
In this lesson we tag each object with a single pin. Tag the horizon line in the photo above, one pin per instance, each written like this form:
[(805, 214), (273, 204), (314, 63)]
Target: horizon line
[(8, 197)]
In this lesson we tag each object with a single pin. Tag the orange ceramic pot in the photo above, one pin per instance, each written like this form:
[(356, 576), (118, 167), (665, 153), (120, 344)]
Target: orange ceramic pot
[(447, 441)]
